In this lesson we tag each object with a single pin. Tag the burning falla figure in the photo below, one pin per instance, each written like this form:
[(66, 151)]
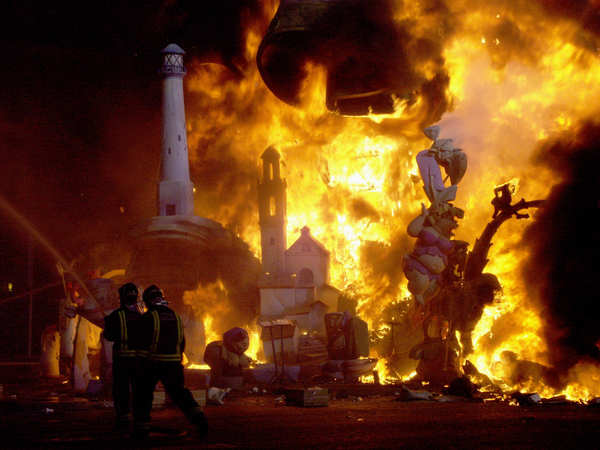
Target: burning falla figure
[(433, 228), (435, 268), (444, 277)]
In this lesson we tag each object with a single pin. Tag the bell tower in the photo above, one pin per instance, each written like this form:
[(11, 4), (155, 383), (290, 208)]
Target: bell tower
[(272, 213)]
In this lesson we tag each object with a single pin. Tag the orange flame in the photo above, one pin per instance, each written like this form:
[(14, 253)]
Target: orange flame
[(353, 180)]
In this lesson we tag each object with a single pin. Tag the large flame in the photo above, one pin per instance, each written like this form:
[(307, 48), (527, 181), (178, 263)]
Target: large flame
[(516, 77)]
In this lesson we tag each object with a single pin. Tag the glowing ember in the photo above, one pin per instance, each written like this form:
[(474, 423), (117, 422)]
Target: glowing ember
[(198, 367)]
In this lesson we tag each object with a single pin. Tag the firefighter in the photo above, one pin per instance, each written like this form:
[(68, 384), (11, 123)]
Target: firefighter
[(123, 328), (165, 343)]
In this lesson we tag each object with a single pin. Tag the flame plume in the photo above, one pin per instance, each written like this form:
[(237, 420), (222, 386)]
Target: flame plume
[(518, 74)]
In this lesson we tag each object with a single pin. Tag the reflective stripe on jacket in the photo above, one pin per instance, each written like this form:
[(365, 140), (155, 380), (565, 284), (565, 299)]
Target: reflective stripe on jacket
[(124, 350), (154, 354), (123, 328)]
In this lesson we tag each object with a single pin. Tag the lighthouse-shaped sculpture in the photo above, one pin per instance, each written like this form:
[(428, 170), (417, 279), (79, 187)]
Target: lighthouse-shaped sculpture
[(175, 190), (176, 249)]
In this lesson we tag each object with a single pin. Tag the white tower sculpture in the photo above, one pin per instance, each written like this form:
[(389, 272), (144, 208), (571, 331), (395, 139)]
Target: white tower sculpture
[(272, 213), (175, 190)]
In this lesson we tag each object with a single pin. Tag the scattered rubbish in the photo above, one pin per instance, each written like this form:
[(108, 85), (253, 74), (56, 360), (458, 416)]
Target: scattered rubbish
[(494, 399), (108, 404), (279, 401), (313, 396), (216, 395), (450, 398), (461, 387), (595, 402), (48, 410), (526, 399), (477, 377), (558, 400), (407, 395)]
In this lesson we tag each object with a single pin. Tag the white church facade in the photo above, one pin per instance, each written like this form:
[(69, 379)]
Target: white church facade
[(294, 283)]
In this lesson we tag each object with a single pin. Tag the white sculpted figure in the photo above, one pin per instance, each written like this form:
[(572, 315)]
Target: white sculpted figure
[(434, 227)]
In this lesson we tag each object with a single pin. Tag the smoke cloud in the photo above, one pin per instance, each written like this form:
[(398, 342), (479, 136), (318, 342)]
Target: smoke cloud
[(365, 47), (563, 266)]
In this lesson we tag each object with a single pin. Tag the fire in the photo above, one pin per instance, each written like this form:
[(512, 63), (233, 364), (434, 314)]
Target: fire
[(198, 367), (213, 306), (516, 77), (255, 348)]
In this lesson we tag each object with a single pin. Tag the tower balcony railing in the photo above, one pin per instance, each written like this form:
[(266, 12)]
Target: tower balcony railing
[(171, 69)]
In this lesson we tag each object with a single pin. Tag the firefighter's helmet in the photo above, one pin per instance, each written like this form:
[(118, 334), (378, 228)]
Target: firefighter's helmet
[(128, 294), (153, 296)]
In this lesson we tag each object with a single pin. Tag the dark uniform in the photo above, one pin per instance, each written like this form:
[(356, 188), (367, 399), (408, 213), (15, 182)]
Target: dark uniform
[(165, 343), (124, 328)]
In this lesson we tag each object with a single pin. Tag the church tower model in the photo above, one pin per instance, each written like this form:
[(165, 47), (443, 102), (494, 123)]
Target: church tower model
[(272, 214)]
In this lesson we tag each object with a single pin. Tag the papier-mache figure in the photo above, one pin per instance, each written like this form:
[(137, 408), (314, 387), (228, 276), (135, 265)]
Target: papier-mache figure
[(434, 227), (441, 153), (226, 358)]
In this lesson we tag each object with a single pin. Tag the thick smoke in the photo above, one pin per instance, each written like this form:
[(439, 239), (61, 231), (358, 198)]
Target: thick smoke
[(563, 266), (584, 12), (364, 47)]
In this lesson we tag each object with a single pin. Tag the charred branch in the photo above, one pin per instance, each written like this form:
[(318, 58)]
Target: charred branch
[(478, 259)]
